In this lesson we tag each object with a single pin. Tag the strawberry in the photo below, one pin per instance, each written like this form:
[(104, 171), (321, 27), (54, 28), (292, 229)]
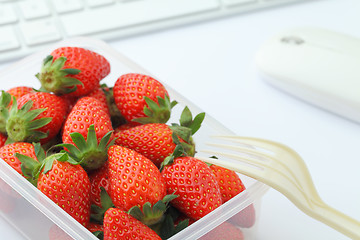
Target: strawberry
[(98, 179), (124, 126), (224, 231), (195, 184), (229, 182), (66, 184), (153, 140), (120, 225), (142, 98), (73, 70), (56, 233), (87, 111), (3, 139), (36, 116), (19, 91), (91, 151), (99, 94), (230, 186), (116, 118), (134, 179), (156, 141), (96, 229), (7, 203), (7, 153)]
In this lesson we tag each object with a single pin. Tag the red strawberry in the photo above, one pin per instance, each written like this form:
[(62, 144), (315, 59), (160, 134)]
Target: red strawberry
[(153, 140), (195, 184), (124, 126), (39, 116), (99, 179), (87, 111), (134, 92), (56, 233), (119, 225), (73, 70), (8, 197), (96, 229), (68, 186), (19, 91), (3, 139), (231, 185), (134, 179), (99, 94), (229, 182), (87, 132), (7, 203), (246, 218), (7, 153), (224, 231)]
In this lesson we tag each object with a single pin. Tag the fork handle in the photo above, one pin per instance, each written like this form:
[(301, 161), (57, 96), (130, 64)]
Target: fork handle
[(337, 220)]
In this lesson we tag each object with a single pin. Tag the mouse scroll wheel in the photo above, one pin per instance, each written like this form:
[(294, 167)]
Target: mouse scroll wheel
[(292, 40)]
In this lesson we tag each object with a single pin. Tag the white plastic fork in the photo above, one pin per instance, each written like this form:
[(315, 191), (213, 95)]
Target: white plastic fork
[(281, 168)]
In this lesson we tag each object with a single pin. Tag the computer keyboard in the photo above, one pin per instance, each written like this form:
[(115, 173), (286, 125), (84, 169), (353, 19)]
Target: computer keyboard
[(28, 25)]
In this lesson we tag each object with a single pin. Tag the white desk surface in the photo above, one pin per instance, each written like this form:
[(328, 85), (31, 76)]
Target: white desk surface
[(212, 64)]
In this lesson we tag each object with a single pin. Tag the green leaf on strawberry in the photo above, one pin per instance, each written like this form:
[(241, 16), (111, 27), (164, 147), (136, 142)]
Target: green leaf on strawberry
[(89, 153), (5, 100), (168, 228), (151, 215), (186, 120), (156, 112), (55, 79), (97, 213), (22, 124), (32, 168)]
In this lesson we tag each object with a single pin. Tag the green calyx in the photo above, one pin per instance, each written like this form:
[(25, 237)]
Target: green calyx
[(31, 168), (152, 215), (21, 125), (54, 78), (156, 112), (97, 213), (5, 100), (185, 130), (89, 153)]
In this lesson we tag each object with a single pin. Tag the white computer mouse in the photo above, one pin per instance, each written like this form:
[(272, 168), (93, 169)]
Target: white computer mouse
[(317, 65)]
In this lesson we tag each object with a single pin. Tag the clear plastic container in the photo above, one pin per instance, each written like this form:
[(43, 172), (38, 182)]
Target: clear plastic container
[(37, 217)]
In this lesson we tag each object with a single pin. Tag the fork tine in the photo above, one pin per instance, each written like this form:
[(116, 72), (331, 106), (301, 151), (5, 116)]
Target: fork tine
[(264, 167), (252, 172), (255, 142), (249, 160), (274, 162), (243, 149)]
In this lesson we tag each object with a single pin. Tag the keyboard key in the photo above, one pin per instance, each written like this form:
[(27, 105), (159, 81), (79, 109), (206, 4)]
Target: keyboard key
[(64, 6), (37, 32), (7, 14), (8, 39), (98, 3), (31, 9), (122, 14)]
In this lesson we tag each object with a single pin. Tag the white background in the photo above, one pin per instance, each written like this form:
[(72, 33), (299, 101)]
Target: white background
[(212, 64)]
